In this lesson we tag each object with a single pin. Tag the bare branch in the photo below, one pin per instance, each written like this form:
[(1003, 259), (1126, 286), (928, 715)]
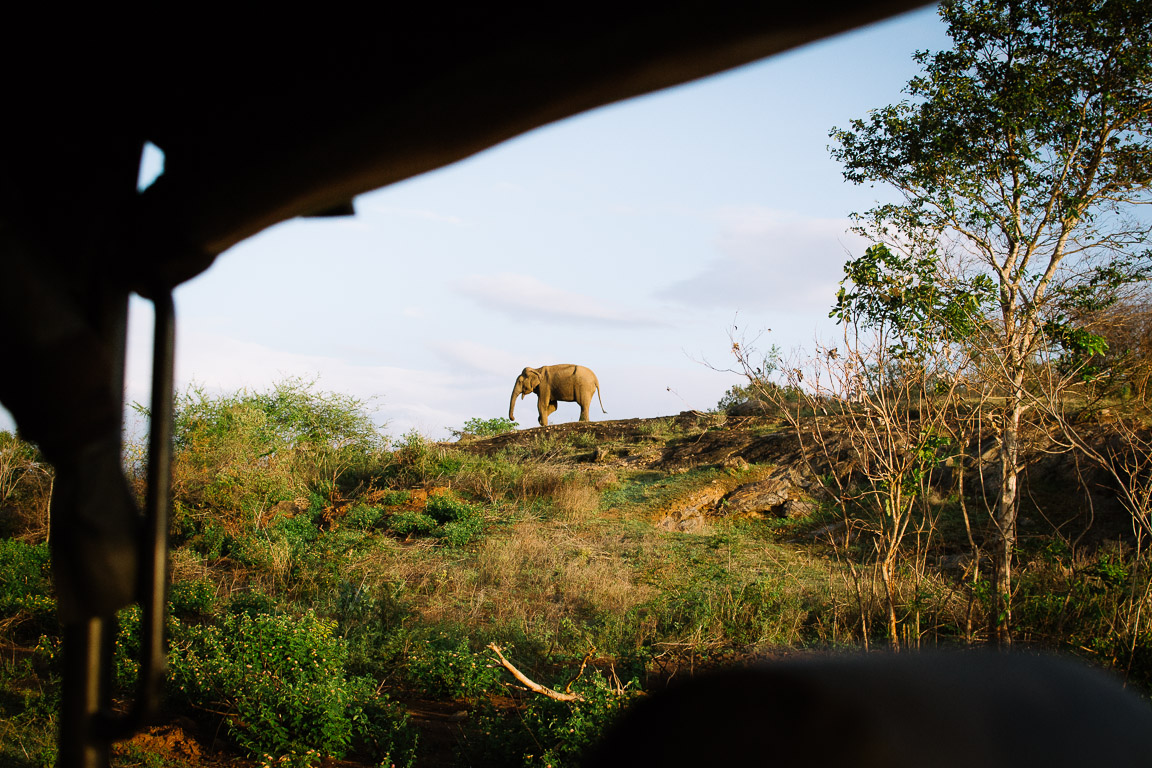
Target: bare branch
[(532, 685)]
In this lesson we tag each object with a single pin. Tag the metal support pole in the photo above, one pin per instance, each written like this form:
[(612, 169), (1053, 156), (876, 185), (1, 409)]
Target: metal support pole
[(88, 726)]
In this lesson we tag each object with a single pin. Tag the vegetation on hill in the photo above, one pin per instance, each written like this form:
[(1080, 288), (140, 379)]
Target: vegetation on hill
[(344, 607)]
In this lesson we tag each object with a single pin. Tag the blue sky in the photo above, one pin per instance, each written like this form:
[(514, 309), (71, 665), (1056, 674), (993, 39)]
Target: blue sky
[(628, 239)]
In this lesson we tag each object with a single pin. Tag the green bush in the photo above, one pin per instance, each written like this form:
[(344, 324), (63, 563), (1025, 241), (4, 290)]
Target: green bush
[(408, 522), (442, 664), (299, 532), (25, 568), (445, 508), (550, 733), (194, 599), (246, 451), (362, 517), (419, 460), (454, 521), (735, 395), (460, 533), (125, 659), (26, 590), (29, 707), (460, 521), (281, 682), (395, 498), (254, 603), (478, 427)]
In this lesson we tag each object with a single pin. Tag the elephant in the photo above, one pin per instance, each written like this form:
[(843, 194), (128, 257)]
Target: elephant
[(552, 383)]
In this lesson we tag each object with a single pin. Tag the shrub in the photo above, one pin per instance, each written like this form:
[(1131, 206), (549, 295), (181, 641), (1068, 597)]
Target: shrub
[(29, 707), (477, 427), (25, 589), (445, 508), (281, 682), (249, 450), (125, 659), (395, 498), (461, 522), (735, 395), (193, 599), (553, 733), (408, 522), (25, 568), (254, 603), (443, 665), (454, 521), (362, 517), (459, 533), (25, 487), (418, 459)]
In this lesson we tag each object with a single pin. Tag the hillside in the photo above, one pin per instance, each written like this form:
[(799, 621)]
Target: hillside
[(602, 559)]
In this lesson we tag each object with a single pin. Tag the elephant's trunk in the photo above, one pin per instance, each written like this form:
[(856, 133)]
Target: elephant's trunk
[(512, 403)]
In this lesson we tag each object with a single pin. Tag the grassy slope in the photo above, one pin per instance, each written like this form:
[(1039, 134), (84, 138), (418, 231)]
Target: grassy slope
[(547, 542)]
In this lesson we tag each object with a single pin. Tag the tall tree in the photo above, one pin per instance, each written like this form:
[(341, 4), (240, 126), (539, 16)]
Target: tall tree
[(1020, 156)]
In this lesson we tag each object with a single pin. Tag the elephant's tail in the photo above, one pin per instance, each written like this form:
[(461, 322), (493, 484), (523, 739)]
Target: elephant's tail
[(598, 398)]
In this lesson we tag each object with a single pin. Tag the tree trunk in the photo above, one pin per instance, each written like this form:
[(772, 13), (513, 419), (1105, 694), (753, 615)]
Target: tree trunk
[(1000, 617), (887, 575)]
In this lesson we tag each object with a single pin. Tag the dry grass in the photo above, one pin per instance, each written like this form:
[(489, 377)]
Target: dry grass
[(576, 499), (186, 565), (545, 573)]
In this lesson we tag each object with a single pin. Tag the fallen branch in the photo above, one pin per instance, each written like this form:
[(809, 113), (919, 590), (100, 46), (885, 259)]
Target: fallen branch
[(579, 672), (532, 686)]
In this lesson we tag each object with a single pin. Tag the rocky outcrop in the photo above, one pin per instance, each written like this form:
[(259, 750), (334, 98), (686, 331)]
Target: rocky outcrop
[(690, 514), (784, 493)]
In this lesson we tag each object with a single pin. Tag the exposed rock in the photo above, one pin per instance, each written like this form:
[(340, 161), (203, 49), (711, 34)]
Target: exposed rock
[(774, 448), (781, 494), (735, 463), (688, 516), (708, 448)]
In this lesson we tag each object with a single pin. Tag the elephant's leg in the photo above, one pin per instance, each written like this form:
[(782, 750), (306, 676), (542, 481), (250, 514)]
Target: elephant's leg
[(584, 409), (552, 407)]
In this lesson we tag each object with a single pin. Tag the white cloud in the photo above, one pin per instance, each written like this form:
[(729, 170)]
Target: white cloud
[(479, 359), (403, 399), (770, 260), (523, 296)]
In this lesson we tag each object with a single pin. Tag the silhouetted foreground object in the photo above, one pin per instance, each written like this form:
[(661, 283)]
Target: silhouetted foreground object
[(890, 711)]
